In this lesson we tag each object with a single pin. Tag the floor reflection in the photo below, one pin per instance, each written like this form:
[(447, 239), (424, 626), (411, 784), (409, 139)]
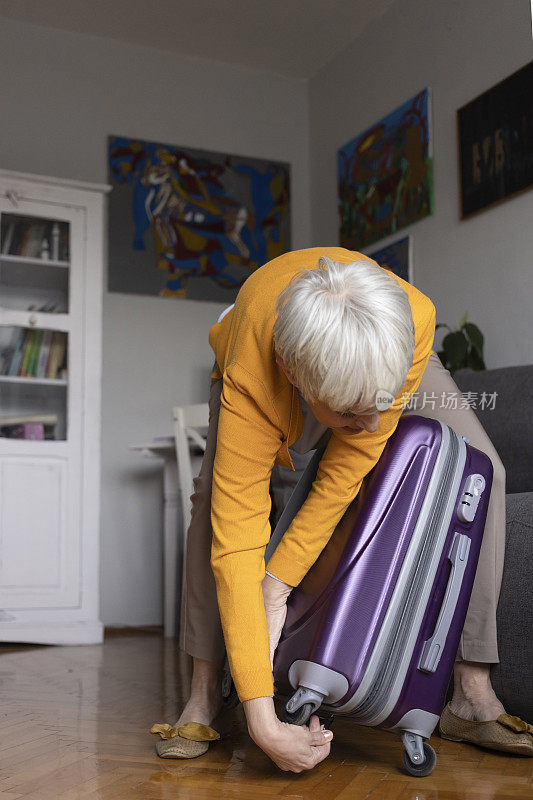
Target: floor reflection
[(76, 721)]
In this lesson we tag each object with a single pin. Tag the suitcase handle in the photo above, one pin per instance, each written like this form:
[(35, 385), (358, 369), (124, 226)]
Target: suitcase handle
[(433, 647)]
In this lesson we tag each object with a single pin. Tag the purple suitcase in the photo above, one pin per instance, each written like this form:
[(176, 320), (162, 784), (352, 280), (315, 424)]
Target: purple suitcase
[(372, 631)]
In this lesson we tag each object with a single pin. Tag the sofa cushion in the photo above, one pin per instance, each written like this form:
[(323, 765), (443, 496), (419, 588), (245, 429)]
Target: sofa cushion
[(512, 678), (510, 423)]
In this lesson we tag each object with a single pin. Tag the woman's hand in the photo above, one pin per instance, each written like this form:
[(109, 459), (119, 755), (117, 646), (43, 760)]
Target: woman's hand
[(275, 594), (292, 748)]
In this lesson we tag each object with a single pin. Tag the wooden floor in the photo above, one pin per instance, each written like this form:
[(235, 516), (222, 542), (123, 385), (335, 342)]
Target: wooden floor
[(75, 724)]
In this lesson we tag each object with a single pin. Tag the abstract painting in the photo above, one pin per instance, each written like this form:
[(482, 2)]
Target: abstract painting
[(396, 257), (191, 223), (496, 143), (385, 175)]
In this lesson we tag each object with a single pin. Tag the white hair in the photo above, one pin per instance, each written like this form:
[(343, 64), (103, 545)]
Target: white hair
[(345, 332)]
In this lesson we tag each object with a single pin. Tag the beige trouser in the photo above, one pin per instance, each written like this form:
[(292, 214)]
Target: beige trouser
[(201, 632)]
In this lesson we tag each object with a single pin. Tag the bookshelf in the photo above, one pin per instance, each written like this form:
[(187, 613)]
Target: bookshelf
[(35, 282), (29, 380), (51, 267)]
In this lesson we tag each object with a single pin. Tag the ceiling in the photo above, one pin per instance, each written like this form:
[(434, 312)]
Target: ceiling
[(294, 38)]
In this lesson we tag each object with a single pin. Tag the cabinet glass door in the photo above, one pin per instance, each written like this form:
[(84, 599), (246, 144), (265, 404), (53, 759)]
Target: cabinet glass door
[(33, 383), (34, 264), (35, 306)]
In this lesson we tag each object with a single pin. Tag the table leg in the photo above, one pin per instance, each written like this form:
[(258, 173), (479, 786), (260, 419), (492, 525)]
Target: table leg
[(171, 534)]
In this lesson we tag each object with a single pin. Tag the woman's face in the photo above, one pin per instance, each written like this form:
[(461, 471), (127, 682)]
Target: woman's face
[(346, 423)]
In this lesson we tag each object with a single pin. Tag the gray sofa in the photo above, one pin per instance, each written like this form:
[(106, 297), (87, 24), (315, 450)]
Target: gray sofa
[(510, 427)]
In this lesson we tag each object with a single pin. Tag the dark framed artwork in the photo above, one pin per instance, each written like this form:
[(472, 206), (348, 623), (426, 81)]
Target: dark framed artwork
[(495, 133), (385, 175), (397, 256), (190, 223)]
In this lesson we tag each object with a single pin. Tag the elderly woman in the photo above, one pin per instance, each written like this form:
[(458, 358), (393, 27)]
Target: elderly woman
[(313, 337)]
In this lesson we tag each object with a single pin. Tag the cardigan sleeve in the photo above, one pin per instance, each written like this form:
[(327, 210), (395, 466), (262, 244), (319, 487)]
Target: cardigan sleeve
[(247, 443), (346, 461)]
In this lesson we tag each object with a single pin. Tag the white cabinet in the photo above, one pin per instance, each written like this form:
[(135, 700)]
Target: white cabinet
[(51, 275)]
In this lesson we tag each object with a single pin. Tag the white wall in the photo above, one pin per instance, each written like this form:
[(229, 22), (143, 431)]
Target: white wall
[(459, 48), (61, 94)]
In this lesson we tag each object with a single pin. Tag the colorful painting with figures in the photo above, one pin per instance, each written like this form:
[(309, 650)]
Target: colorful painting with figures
[(385, 175), (191, 223), (396, 256)]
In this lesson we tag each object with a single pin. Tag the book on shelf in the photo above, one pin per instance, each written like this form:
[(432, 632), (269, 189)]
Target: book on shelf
[(30, 430), (36, 354), (35, 431), (25, 236), (32, 240), (28, 343), (64, 248), (24, 239), (44, 354), (14, 354), (57, 354), (6, 356), (35, 427), (7, 238)]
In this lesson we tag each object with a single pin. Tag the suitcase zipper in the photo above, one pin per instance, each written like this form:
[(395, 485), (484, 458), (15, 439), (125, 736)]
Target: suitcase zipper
[(379, 690)]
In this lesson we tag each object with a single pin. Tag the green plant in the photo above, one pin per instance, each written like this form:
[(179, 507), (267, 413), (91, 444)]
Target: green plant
[(462, 347)]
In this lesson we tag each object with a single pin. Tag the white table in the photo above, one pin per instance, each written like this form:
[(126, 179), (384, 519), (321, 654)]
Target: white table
[(173, 535)]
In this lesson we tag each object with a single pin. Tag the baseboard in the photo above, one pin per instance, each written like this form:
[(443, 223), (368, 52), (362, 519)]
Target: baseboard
[(114, 631)]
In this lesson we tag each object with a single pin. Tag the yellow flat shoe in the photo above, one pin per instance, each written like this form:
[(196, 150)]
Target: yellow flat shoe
[(188, 741), (507, 733)]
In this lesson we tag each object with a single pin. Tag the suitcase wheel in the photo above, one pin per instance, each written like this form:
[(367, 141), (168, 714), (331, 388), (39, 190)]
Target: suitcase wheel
[(424, 767), (300, 716)]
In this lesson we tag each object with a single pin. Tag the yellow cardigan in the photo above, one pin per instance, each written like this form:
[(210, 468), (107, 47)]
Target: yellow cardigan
[(259, 419)]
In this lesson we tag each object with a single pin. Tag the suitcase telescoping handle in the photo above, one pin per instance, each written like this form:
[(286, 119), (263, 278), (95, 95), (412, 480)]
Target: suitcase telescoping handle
[(433, 647)]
